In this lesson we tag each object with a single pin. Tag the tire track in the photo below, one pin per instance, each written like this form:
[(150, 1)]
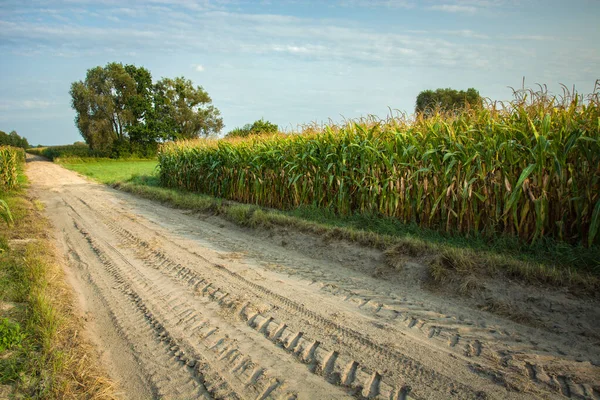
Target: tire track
[(219, 351), (468, 344), (363, 381), (156, 361)]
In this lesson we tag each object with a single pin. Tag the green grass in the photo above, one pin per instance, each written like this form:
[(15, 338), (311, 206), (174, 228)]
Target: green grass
[(110, 171)]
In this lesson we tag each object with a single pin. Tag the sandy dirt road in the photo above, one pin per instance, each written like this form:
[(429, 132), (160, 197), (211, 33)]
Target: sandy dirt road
[(185, 306)]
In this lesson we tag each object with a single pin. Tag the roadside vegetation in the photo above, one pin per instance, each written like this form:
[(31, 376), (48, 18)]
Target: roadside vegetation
[(11, 158), (42, 353), (449, 258), (13, 139), (75, 150), (528, 169)]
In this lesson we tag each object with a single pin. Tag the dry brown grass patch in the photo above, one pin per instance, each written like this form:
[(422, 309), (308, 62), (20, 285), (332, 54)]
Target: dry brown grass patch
[(56, 361)]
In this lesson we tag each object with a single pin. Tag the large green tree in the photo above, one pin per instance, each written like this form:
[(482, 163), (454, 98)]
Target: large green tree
[(119, 106), (184, 111), (429, 101), (101, 103), (140, 104), (13, 139)]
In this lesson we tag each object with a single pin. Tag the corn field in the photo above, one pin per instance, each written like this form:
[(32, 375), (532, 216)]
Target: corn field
[(529, 168), (10, 158)]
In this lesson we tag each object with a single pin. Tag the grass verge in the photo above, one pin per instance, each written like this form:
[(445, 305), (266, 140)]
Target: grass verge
[(450, 259), (42, 354)]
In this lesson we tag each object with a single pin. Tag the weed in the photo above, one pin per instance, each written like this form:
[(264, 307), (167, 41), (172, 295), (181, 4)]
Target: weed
[(11, 335)]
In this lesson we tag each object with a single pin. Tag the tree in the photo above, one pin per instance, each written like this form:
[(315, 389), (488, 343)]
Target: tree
[(102, 105), (141, 106), (13, 139), (184, 111), (119, 109), (259, 127), (448, 99)]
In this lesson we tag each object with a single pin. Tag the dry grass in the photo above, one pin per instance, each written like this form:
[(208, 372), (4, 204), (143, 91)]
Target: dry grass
[(54, 361), (407, 249), (511, 311)]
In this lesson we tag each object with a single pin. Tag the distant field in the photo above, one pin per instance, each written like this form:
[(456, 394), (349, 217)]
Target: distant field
[(112, 171)]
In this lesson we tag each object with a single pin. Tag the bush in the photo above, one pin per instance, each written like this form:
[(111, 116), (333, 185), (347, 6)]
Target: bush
[(119, 149), (445, 100), (10, 334), (259, 127)]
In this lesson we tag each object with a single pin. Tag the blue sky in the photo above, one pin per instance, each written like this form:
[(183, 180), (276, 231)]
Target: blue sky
[(291, 62)]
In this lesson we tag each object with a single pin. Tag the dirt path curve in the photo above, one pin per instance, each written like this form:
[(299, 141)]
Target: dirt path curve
[(185, 306)]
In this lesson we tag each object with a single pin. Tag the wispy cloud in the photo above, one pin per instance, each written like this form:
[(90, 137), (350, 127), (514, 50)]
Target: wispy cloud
[(165, 31), (19, 105), (538, 38), (407, 4), (454, 8)]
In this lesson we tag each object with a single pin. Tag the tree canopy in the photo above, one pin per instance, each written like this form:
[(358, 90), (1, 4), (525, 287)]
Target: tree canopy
[(13, 139), (448, 99), (257, 128), (119, 108)]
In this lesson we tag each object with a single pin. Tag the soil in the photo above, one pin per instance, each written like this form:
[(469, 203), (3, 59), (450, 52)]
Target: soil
[(184, 305)]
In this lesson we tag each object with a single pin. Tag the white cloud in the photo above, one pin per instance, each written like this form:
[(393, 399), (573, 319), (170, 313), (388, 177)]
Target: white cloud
[(454, 8), (199, 67)]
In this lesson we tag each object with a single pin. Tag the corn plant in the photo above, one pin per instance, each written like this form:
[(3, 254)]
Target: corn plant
[(5, 213), (10, 158), (530, 168)]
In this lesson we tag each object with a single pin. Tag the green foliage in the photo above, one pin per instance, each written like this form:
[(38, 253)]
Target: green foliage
[(120, 111), (78, 150), (528, 170), (13, 139), (183, 111), (5, 212), (11, 335), (10, 160), (259, 127), (446, 100)]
